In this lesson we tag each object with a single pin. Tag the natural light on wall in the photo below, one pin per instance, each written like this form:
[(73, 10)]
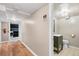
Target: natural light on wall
[(29, 22)]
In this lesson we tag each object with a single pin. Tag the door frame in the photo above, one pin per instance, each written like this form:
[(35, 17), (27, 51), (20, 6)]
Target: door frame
[(50, 20)]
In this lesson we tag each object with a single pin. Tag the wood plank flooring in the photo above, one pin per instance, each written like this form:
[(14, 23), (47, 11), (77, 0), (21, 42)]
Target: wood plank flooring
[(14, 49)]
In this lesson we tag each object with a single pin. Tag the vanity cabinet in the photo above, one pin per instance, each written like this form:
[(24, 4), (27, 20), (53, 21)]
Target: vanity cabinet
[(58, 43)]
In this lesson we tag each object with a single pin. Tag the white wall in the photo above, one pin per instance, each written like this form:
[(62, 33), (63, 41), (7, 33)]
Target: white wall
[(36, 32), (69, 27)]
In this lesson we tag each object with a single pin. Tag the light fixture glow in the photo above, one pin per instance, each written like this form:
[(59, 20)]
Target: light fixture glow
[(2, 8), (71, 21), (64, 10)]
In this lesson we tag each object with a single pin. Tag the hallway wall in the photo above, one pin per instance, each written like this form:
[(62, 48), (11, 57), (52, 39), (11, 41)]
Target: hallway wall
[(36, 32)]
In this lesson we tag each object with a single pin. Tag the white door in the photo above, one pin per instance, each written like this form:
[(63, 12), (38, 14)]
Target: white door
[(4, 31)]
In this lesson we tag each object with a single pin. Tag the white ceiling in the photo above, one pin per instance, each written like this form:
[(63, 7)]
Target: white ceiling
[(72, 8), (27, 8)]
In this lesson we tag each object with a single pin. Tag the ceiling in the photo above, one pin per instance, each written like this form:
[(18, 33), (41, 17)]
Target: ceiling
[(27, 8), (62, 9)]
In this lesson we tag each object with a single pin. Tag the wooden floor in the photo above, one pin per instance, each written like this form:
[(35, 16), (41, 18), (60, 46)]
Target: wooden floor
[(14, 49)]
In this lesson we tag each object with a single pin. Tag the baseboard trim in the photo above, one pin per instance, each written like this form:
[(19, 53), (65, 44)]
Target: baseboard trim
[(28, 48), (73, 47), (9, 41)]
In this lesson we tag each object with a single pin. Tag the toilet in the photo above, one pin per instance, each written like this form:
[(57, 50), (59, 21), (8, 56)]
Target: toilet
[(65, 43)]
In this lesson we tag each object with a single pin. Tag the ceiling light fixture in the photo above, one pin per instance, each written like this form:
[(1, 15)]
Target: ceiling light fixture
[(2, 8), (64, 10)]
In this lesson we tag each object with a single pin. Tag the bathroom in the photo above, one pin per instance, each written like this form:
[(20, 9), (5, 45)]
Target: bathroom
[(66, 25)]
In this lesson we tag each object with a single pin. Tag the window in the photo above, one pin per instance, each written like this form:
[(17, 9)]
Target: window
[(14, 30)]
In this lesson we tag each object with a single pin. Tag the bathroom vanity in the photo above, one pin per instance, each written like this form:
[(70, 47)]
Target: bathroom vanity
[(58, 43)]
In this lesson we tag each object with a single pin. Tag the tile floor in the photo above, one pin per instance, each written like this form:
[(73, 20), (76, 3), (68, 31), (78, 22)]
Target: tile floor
[(68, 52)]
